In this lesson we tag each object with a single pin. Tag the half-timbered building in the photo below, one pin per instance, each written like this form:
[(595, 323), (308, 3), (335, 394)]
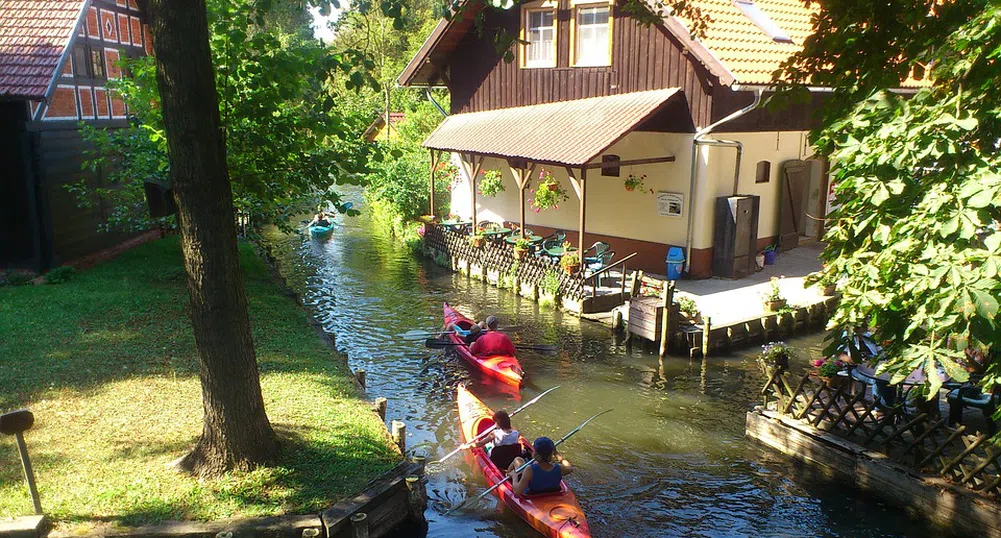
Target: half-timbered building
[(56, 58), (594, 96)]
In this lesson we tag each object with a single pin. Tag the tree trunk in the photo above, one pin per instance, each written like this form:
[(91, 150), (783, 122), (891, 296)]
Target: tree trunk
[(236, 432)]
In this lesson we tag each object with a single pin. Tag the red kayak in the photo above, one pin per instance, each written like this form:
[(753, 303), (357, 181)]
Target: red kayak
[(557, 515), (502, 367)]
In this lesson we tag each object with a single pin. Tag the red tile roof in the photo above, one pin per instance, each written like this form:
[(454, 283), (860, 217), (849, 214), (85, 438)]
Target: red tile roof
[(570, 133), (33, 36)]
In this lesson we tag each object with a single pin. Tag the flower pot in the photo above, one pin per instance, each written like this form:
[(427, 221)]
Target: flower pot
[(832, 382), (829, 290), (477, 242), (519, 253), (775, 306), (571, 269), (630, 189)]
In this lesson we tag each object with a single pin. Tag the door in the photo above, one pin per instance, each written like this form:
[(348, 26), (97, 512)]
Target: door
[(795, 179)]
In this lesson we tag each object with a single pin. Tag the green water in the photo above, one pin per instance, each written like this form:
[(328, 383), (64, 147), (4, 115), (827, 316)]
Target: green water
[(671, 460)]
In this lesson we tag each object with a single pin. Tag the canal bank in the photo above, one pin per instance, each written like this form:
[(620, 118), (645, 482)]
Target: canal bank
[(674, 462)]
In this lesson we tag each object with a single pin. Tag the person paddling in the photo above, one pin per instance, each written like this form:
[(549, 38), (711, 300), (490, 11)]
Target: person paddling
[(505, 439), (493, 342), (543, 475), (320, 220)]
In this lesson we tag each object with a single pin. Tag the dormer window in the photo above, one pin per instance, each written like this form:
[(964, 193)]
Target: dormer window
[(592, 35), (539, 35)]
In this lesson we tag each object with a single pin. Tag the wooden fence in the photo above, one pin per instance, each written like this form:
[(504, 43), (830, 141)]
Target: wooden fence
[(913, 433), (454, 249)]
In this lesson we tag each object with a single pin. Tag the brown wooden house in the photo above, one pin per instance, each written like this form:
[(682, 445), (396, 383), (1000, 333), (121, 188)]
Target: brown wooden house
[(594, 97), (56, 58)]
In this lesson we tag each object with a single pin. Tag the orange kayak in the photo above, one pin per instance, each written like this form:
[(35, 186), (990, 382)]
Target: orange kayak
[(503, 367), (557, 515)]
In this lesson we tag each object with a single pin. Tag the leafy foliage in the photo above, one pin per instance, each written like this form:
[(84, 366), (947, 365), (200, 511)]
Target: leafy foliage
[(491, 184), (549, 194), (60, 274), (914, 243)]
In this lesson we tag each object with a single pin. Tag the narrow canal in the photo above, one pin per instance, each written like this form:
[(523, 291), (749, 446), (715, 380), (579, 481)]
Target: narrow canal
[(670, 461)]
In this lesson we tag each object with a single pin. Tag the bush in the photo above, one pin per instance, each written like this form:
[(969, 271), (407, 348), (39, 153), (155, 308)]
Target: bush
[(60, 274), (550, 283), (17, 278)]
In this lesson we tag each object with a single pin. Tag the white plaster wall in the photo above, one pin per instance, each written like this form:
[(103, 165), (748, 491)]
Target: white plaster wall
[(611, 209), (776, 147)]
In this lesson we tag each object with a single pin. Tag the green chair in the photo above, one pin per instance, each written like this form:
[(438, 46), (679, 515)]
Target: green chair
[(596, 250), (599, 262)]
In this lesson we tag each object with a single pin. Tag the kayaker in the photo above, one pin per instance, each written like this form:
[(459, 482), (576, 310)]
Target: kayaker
[(468, 336), (493, 342), (320, 220), (505, 440), (542, 476)]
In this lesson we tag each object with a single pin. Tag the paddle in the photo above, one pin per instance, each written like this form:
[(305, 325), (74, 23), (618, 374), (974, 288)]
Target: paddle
[(418, 334), (434, 343), (484, 434), (527, 463)]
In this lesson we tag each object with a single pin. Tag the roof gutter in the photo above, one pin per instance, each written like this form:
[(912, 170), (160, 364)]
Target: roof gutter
[(699, 140), (427, 93)]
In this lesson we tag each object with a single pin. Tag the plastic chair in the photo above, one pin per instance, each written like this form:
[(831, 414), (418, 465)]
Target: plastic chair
[(489, 226), (559, 236), (598, 249), (599, 262), (971, 396)]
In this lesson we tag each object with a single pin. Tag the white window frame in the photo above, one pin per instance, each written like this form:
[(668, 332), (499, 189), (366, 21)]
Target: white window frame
[(526, 12), (575, 32)]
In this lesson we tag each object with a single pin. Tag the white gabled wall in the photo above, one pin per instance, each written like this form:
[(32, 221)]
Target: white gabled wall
[(611, 209), (717, 178)]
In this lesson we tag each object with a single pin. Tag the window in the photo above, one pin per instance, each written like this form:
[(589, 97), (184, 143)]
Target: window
[(593, 29), (763, 172), (80, 62), (97, 63), (610, 165), (540, 33)]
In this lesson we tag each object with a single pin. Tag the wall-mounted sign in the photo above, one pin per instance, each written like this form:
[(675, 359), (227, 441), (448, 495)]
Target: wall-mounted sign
[(670, 204)]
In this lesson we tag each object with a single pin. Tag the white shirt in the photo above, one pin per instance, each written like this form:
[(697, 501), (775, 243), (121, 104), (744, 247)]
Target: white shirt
[(505, 438)]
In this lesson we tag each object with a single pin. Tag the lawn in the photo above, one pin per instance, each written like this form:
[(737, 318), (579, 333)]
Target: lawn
[(107, 364)]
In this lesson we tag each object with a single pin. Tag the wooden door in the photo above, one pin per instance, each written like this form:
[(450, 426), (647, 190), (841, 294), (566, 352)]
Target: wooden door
[(794, 183)]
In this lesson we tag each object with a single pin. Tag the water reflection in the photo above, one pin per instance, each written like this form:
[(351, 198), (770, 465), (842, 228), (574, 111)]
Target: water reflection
[(670, 461)]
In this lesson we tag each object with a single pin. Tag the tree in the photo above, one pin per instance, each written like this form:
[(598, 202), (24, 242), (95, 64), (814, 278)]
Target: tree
[(236, 432), (915, 240)]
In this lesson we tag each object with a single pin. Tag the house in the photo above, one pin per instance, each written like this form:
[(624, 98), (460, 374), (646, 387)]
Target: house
[(375, 130), (56, 58), (595, 97)]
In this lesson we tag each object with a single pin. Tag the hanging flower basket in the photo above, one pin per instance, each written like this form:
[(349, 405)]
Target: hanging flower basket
[(549, 194), (634, 182), (491, 184)]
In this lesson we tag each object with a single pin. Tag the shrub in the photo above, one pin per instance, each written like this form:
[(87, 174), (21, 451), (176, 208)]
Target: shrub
[(59, 274), (550, 283)]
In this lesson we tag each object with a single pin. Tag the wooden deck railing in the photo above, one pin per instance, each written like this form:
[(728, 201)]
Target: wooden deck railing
[(593, 277), (913, 433)]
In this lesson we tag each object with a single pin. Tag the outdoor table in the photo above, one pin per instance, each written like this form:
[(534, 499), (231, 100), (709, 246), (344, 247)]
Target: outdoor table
[(515, 236), (495, 234), (556, 252), (455, 224), (885, 395)]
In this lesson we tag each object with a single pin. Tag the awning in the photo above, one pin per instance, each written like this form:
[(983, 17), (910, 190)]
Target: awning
[(568, 133)]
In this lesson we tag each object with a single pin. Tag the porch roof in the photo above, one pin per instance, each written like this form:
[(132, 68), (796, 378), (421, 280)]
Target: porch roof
[(568, 133)]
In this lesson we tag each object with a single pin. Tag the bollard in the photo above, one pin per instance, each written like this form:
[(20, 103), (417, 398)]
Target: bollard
[(380, 407), (400, 435), (706, 329), (415, 495), (422, 462), (16, 423), (360, 375), (310, 533), (359, 525)]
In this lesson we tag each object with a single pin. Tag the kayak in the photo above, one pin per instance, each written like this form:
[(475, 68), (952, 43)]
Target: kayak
[(321, 232), (503, 367), (557, 515)]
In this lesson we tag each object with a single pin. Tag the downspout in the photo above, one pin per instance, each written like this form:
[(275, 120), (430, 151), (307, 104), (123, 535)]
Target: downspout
[(699, 140), (427, 93)]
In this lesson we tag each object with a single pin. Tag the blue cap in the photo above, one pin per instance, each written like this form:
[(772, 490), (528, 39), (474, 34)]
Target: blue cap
[(544, 446)]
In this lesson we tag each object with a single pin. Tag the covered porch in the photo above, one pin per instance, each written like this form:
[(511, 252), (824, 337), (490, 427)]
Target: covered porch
[(588, 145)]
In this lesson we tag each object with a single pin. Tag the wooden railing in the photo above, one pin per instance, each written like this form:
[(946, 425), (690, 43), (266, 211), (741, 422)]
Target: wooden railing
[(593, 277), (914, 434)]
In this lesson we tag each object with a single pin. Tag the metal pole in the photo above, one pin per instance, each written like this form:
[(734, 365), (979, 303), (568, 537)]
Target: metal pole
[(29, 474)]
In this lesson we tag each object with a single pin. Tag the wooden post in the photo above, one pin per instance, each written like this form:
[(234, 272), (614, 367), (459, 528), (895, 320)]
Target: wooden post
[(361, 375), (434, 164), (311, 533), (380, 407), (477, 163), (415, 495), (29, 474), (583, 211), (706, 328), (359, 525), (665, 327), (422, 462), (399, 432)]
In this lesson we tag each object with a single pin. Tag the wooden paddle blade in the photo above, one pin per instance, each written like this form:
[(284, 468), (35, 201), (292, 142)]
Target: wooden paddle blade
[(434, 343)]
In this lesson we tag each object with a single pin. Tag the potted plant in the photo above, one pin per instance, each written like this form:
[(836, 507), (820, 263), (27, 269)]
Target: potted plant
[(776, 353), (477, 239), (770, 254), (827, 370), (774, 301), (549, 193), (688, 310), (491, 184), (827, 282), (570, 262), (521, 246), (634, 182)]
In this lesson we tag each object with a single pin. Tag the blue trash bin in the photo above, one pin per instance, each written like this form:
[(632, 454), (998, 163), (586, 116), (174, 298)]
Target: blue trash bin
[(675, 263)]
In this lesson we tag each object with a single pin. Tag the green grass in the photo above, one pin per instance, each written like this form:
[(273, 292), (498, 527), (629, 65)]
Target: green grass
[(107, 364)]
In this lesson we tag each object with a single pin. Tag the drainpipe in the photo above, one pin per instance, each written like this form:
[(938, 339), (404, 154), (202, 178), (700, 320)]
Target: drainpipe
[(699, 140), (427, 93)]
